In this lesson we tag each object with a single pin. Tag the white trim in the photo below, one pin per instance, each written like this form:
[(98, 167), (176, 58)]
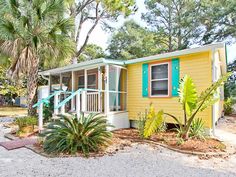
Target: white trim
[(83, 65), (107, 98), (176, 53), (103, 61), (151, 80), (214, 105), (72, 89)]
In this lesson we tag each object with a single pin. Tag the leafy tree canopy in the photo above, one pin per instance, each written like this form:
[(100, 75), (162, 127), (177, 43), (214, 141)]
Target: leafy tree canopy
[(176, 20), (91, 51), (32, 32), (133, 41)]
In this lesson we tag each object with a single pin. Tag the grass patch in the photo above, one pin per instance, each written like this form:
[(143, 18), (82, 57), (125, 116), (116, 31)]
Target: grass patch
[(12, 111)]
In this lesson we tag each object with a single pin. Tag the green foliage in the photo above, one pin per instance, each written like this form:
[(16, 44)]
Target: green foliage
[(228, 106), (230, 85), (154, 122), (48, 111), (71, 135), (142, 118), (197, 129), (184, 23), (217, 18), (187, 95), (91, 51), (133, 41), (32, 32), (193, 104), (26, 121), (8, 87), (96, 12), (176, 20)]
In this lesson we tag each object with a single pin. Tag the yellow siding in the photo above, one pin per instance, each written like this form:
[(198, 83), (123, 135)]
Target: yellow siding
[(198, 66)]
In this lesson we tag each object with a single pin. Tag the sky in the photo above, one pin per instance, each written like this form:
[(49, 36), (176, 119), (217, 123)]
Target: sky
[(101, 37)]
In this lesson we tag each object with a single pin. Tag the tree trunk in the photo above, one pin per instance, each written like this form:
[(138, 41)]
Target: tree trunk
[(32, 85)]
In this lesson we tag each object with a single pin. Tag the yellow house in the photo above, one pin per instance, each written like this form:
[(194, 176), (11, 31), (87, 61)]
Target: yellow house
[(120, 89)]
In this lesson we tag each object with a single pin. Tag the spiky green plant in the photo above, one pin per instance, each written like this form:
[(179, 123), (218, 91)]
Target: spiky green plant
[(197, 129), (142, 118), (71, 135), (192, 104)]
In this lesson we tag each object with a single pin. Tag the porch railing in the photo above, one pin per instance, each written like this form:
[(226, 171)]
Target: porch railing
[(87, 100)]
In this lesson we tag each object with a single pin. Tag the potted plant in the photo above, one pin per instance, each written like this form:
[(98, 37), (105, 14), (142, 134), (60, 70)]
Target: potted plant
[(26, 125)]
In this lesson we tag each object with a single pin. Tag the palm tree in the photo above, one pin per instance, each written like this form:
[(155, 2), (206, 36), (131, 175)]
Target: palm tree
[(32, 31)]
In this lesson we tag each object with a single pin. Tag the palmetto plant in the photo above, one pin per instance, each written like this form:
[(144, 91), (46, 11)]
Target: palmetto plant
[(70, 135), (32, 32), (192, 103)]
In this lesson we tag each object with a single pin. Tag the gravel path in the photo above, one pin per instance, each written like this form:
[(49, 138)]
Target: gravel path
[(138, 161)]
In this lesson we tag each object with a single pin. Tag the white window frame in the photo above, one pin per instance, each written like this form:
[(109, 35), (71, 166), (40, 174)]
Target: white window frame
[(151, 80)]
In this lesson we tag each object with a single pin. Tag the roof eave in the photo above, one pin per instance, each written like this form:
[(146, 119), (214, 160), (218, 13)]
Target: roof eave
[(176, 53)]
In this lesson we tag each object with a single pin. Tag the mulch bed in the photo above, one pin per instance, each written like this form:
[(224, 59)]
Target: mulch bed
[(128, 137), (169, 138)]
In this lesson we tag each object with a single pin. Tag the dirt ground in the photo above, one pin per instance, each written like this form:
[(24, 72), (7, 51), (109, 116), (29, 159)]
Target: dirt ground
[(228, 124)]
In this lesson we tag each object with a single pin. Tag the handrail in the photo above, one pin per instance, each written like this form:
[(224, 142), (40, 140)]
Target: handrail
[(80, 90), (46, 100)]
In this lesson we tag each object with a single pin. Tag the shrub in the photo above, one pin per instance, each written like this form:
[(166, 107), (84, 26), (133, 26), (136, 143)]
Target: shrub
[(48, 111), (154, 122), (228, 106), (23, 122), (142, 117), (70, 135), (197, 129), (26, 121), (192, 103)]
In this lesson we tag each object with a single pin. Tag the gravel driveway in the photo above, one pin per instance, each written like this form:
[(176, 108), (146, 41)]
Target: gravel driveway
[(137, 161)]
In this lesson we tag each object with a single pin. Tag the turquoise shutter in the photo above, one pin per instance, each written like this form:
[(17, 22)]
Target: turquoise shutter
[(175, 76), (145, 80)]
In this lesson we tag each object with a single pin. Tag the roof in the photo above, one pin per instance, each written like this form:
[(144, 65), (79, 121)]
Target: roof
[(82, 65), (102, 61), (177, 53)]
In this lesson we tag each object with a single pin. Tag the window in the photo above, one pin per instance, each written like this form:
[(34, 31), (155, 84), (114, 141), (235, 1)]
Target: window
[(159, 79), (92, 81), (81, 82)]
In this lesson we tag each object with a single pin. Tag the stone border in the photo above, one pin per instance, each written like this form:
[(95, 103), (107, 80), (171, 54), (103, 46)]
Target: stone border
[(10, 136), (229, 151)]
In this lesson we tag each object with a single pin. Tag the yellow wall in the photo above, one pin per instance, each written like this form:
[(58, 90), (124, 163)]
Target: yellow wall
[(198, 66)]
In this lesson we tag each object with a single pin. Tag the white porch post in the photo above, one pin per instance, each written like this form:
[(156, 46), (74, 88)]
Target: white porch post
[(107, 101), (72, 90), (84, 93), (99, 88), (49, 84), (117, 88), (78, 105), (63, 106), (60, 81), (84, 101), (56, 100), (40, 120)]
